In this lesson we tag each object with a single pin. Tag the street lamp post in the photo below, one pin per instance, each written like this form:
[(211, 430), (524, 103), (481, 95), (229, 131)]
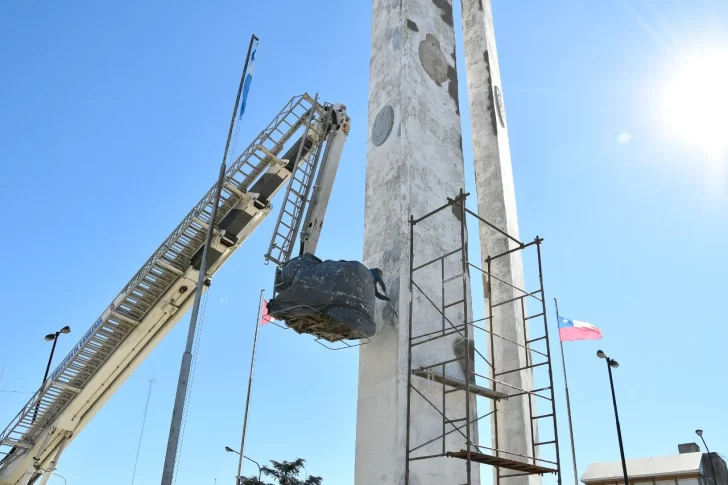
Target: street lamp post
[(50, 337), (611, 363), (61, 476), (699, 432), (260, 471)]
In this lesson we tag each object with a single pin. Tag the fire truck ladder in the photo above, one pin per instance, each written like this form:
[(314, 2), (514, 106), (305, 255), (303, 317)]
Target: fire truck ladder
[(295, 200), (71, 395)]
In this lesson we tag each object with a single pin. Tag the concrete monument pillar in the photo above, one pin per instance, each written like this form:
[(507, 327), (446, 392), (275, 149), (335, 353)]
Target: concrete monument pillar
[(414, 162), (497, 204)]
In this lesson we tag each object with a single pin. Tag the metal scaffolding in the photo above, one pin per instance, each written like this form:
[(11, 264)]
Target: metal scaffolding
[(459, 434)]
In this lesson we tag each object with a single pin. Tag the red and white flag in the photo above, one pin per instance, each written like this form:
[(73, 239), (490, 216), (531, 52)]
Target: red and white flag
[(266, 318)]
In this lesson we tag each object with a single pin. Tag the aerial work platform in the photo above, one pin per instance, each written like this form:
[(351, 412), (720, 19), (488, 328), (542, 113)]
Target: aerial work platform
[(331, 300)]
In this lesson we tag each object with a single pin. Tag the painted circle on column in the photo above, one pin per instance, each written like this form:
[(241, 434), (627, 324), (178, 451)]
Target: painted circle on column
[(382, 126), (500, 107)]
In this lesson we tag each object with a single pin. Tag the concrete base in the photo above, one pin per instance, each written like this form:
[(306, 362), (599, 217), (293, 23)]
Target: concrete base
[(497, 204), (414, 162)]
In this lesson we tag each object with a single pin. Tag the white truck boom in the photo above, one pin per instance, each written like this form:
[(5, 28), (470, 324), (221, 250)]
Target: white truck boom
[(160, 293)]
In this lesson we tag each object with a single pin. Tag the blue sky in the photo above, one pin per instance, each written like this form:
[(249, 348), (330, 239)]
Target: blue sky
[(113, 124)]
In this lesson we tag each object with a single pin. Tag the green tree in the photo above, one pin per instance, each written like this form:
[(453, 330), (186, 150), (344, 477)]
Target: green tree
[(284, 473)]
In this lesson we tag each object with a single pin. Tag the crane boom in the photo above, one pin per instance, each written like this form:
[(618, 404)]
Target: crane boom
[(160, 293)]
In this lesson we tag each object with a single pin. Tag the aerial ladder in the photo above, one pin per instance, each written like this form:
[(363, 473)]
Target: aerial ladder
[(300, 151)]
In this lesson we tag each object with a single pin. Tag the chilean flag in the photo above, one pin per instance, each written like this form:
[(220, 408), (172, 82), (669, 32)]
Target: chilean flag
[(575, 330), (266, 318)]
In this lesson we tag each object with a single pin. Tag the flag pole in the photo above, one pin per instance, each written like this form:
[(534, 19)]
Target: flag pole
[(568, 400), (250, 385), (178, 412)]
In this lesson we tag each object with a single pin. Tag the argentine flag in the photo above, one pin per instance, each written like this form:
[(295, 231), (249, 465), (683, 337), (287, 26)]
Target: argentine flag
[(575, 330), (248, 79)]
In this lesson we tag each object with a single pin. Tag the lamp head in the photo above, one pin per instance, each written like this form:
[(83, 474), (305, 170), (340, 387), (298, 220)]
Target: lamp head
[(614, 364), (66, 329), (601, 354), (229, 450), (699, 432), (50, 337)]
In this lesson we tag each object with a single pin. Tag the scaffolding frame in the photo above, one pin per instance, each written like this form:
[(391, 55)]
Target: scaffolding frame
[(518, 464)]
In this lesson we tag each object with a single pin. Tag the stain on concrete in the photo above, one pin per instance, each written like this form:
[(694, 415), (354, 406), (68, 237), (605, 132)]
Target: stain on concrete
[(461, 142), (395, 38), (460, 351), (446, 11), (491, 103), (399, 129), (480, 5), (452, 88), (390, 257), (412, 26), (433, 60)]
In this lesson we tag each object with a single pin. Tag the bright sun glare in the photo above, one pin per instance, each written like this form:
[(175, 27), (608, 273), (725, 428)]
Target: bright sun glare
[(696, 103)]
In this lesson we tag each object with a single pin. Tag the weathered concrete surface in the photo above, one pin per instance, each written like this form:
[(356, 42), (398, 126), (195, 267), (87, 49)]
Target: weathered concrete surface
[(497, 204), (414, 163)]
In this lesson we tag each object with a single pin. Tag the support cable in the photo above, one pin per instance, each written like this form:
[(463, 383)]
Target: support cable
[(141, 433)]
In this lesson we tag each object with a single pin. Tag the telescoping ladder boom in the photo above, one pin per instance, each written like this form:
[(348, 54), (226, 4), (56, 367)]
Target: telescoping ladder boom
[(163, 289)]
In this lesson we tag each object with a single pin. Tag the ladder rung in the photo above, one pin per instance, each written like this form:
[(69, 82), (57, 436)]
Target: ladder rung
[(17, 444), (270, 155), (200, 222), (535, 339), (67, 387), (535, 316)]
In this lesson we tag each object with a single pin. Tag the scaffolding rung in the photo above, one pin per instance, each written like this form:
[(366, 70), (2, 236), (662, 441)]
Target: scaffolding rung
[(545, 443), (521, 368), (453, 304), (452, 278), (511, 300), (535, 339), (543, 416), (535, 316)]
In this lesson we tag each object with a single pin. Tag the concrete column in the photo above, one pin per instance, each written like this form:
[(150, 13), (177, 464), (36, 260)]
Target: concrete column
[(497, 204), (414, 162)]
